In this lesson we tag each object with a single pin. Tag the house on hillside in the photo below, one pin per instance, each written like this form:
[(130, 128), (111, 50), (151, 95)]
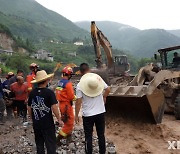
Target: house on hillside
[(73, 54), (44, 55), (79, 43), (7, 52)]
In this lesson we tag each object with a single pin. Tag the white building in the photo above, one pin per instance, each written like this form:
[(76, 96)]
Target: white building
[(78, 43), (73, 54), (7, 52), (44, 55)]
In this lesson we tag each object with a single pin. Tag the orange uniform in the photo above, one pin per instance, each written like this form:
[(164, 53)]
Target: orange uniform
[(29, 78), (65, 96)]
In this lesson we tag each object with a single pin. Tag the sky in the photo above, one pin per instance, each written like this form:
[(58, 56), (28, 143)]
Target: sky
[(142, 14)]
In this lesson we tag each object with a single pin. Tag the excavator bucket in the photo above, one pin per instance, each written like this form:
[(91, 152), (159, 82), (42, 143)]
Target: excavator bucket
[(143, 97), (135, 102)]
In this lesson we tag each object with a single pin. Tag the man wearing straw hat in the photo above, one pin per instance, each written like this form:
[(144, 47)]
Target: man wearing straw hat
[(42, 102), (90, 94)]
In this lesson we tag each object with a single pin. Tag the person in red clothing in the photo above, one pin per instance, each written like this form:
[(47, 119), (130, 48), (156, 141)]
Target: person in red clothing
[(20, 90), (65, 96), (34, 68)]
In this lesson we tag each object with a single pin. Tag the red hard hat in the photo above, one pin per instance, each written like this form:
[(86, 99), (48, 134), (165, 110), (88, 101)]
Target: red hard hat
[(68, 70)]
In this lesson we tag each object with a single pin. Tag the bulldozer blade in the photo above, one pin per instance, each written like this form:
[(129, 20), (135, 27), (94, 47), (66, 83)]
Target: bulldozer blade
[(133, 103)]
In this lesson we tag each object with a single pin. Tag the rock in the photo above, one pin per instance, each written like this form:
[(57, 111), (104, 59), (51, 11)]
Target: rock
[(1, 152), (71, 146), (22, 141), (111, 150)]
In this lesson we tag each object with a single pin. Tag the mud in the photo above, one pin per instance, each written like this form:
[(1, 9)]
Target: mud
[(129, 137), (132, 137)]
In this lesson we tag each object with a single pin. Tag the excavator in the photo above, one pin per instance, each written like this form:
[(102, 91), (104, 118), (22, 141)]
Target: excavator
[(153, 90), (116, 67)]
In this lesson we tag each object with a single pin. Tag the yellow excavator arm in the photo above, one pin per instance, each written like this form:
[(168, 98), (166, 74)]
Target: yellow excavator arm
[(99, 40)]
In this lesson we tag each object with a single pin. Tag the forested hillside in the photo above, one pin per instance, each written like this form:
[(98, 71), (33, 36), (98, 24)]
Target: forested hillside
[(141, 43), (31, 20)]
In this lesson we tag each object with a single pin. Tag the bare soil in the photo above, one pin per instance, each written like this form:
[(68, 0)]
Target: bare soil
[(140, 138), (129, 137)]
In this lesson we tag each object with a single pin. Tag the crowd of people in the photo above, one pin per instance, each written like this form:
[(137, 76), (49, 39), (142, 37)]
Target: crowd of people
[(14, 93), (42, 103)]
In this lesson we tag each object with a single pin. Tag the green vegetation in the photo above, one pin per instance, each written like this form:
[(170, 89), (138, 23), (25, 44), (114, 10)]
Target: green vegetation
[(34, 27), (4, 29), (27, 18), (140, 43), (19, 42), (61, 52), (21, 61)]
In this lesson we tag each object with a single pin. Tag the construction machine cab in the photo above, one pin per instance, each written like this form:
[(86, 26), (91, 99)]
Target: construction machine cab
[(169, 57), (121, 64)]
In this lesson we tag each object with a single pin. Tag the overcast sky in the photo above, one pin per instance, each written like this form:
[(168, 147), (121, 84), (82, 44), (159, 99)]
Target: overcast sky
[(142, 14)]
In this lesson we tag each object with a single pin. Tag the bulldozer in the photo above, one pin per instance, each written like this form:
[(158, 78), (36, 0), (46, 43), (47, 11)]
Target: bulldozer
[(117, 67), (153, 90)]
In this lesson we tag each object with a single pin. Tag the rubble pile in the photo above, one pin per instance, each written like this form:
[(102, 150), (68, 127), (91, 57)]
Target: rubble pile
[(76, 145), (16, 138)]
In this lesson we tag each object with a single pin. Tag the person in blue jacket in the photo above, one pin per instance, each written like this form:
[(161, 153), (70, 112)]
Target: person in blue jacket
[(2, 103)]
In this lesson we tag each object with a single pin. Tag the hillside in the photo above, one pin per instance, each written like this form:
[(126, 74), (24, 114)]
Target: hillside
[(175, 32), (141, 43), (28, 18)]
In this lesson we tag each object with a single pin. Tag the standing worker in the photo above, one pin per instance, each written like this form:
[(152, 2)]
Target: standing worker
[(14, 78), (20, 91), (41, 103), (34, 68), (8, 95), (90, 94), (2, 103), (65, 96), (6, 82)]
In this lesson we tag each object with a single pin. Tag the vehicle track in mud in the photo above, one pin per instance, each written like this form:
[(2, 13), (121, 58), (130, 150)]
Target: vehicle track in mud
[(133, 137)]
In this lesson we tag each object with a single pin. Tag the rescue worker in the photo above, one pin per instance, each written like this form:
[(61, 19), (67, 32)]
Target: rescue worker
[(6, 82), (14, 78), (34, 68), (11, 81), (2, 103), (65, 96), (7, 95), (20, 90)]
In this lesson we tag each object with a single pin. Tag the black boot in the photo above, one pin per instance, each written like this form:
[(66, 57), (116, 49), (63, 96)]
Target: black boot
[(1, 118), (68, 139), (58, 140)]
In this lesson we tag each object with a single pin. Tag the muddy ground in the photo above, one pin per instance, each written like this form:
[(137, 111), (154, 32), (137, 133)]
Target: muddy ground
[(129, 137), (138, 138)]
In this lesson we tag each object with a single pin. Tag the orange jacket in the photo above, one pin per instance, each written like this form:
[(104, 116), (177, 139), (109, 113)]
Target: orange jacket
[(29, 78), (65, 91)]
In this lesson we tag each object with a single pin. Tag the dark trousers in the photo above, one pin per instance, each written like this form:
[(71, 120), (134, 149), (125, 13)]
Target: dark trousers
[(21, 108), (48, 137), (2, 108), (88, 123)]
